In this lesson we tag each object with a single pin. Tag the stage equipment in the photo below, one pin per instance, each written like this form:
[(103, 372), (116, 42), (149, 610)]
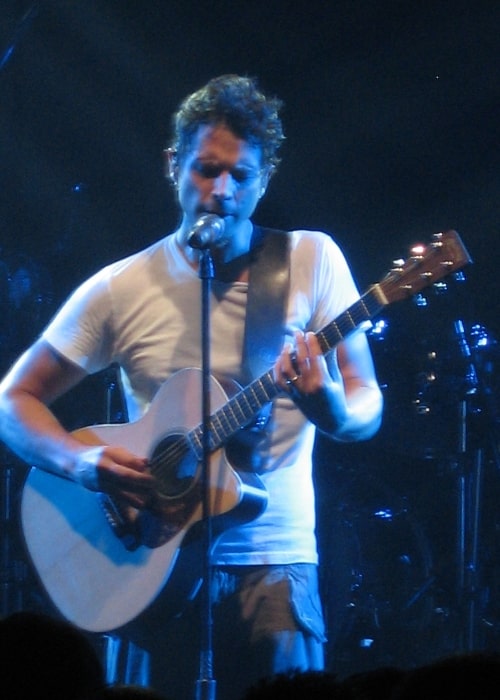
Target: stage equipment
[(411, 548)]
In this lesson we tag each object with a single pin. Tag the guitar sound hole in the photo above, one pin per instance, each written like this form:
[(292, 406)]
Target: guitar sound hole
[(175, 466)]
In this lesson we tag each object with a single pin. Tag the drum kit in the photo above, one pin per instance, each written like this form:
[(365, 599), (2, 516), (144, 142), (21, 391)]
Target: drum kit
[(409, 549), (406, 522)]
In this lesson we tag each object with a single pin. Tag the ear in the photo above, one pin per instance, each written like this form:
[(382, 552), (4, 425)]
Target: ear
[(265, 177), (171, 165)]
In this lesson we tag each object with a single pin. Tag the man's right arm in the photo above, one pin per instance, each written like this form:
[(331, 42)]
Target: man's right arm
[(31, 430)]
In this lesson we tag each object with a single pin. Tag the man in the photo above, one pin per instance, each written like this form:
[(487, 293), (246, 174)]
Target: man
[(145, 314)]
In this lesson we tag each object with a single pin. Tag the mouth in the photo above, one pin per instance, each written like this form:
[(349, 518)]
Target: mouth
[(218, 211)]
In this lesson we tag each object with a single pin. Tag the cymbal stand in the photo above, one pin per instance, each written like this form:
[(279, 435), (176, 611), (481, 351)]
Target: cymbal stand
[(470, 468)]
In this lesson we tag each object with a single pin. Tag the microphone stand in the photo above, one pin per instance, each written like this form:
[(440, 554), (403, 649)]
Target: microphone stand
[(470, 462), (206, 684), (22, 26)]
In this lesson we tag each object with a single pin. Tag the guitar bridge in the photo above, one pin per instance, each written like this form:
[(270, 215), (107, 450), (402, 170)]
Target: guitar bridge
[(122, 521)]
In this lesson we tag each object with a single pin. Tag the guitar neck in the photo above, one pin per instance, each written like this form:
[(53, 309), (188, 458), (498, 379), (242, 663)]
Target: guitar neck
[(426, 266), (245, 405), (372, 301)]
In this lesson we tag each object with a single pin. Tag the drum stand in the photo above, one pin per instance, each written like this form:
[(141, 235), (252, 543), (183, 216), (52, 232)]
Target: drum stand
[(472, 434), (469, 487)]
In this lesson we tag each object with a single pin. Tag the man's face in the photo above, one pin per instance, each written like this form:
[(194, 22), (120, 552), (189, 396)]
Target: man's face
[(221, 174)]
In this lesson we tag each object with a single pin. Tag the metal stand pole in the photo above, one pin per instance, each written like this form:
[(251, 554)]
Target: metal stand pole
[(206, 684), (469, 492), (12, 568)]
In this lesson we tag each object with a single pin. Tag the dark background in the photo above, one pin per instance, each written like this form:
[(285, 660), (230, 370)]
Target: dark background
[(391, 112), (391, 116)]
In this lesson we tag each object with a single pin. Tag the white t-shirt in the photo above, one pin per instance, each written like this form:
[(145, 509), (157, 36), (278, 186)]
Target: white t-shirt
[(143, 312)]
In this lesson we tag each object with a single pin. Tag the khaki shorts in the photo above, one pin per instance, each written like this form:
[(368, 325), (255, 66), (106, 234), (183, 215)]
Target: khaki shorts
[(279, 605)]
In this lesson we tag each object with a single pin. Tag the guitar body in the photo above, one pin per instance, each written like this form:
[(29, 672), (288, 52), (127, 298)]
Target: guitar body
[(87, 571)]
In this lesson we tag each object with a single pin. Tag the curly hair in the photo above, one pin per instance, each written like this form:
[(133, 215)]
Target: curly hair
[(236, 102)]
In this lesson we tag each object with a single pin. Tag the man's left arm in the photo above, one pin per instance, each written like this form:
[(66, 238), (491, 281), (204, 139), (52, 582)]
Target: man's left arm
[(338, 393)]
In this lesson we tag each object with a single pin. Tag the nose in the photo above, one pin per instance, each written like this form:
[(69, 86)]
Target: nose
[(223, 186)]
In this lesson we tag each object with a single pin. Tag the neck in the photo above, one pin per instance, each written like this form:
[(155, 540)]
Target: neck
[(230, 261)]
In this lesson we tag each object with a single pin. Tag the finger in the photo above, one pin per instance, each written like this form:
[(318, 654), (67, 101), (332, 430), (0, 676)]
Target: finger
[(122, 457), (312, 344), (302, 348), (134, 499), (295, 365), (117, 477)]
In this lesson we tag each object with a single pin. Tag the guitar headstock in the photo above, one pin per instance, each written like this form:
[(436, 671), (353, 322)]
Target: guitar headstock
[(426, 265)]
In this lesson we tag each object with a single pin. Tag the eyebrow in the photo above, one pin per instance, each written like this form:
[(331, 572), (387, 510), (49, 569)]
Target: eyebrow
[(219, 163)]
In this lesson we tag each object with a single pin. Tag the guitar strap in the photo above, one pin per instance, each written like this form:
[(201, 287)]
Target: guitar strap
[(268, 286)]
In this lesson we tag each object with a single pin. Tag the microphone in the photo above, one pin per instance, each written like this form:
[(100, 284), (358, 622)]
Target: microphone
[(207, 231)]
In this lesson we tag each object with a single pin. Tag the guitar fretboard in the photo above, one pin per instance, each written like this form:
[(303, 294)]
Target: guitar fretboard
[(245, 405)]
